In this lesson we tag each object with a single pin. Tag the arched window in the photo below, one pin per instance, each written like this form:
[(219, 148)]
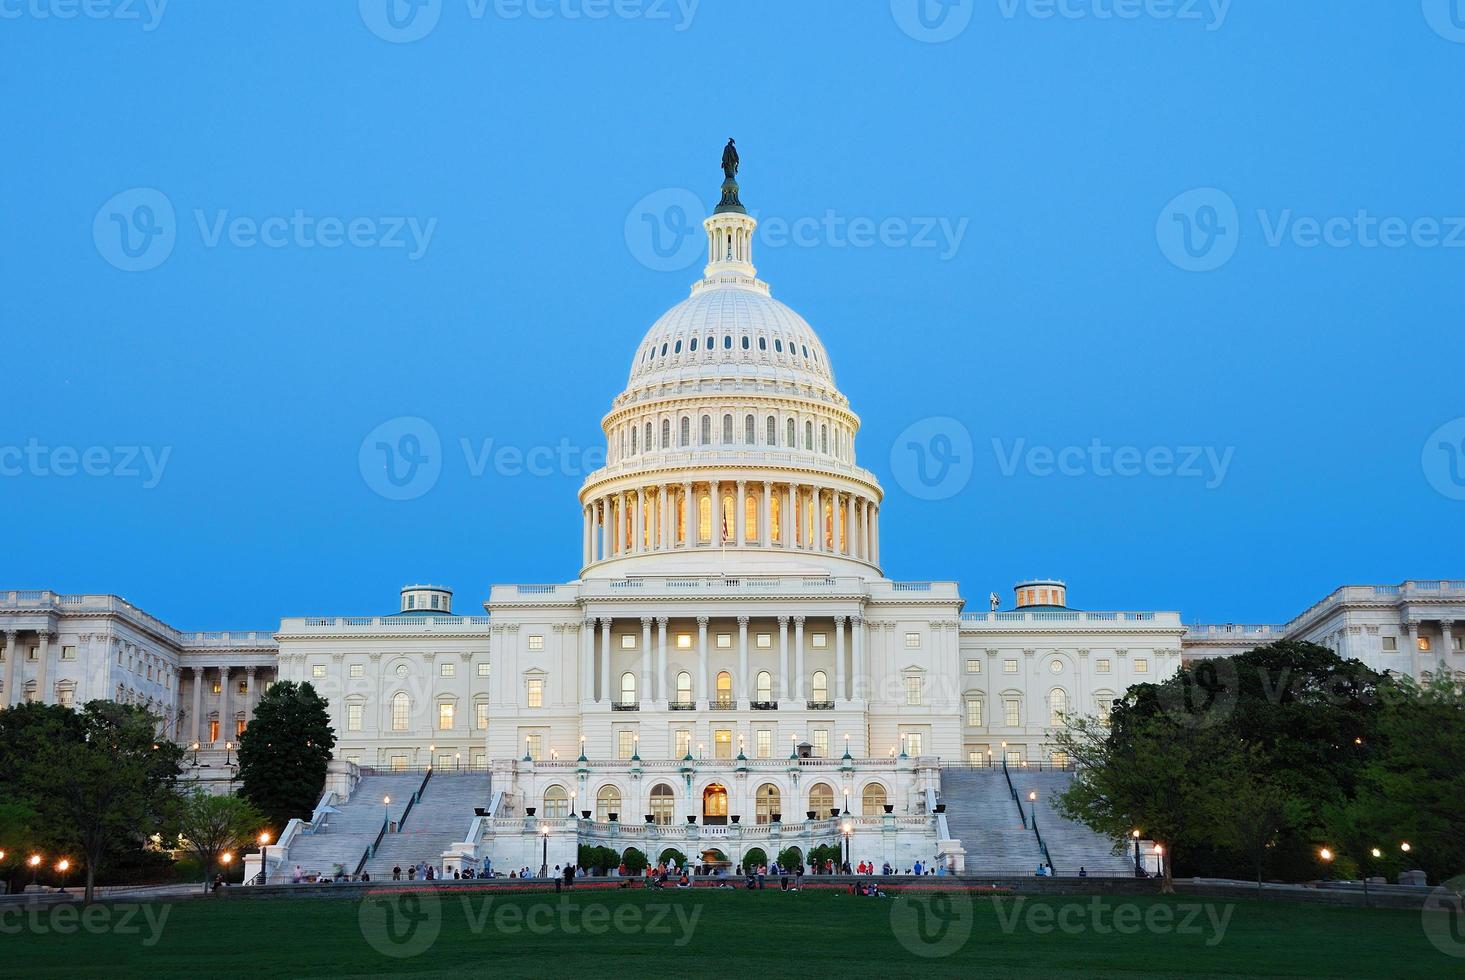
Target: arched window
[(765, 686), (710, 344), (824, 438), (821, 798), (628, 688), (666, 433), (763, 343), (792, 440), (706, 430), (633, 440), (677, 347), (728, 515), (750, 434), (775, 518), (872, 801), (821, 686), (694, 345), (556, 802), (401, 711), (768, 802), (647, 440), (607, 801), (727, 430), (684, 688), (772, 431), (663, 350), (724, 689), (1057, 706), (663, 804), (686, 430), (745, 341), (727, 342), (809, 435)]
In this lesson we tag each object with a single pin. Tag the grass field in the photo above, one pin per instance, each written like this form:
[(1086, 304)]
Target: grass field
[(707, 932)]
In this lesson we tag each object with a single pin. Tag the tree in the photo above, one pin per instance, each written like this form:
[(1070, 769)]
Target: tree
[(285, 751), (635, 860), (18, 837), (790, 857), (754, 858), (112, 784), (210, 825), (672, 854)]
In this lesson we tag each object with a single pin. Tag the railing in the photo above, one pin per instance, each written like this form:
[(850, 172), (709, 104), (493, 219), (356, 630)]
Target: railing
[(1015, 798), (1072, 616), (625, 706), (722, 704), (763, 705), (682, 705), (820, 705), (406, 623)]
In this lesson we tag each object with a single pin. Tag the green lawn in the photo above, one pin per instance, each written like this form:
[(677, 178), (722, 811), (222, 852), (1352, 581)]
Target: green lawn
[(707, 932)]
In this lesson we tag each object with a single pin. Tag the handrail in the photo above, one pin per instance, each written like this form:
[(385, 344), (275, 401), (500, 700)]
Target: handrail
[(370, 851), (1015, 798), (412, 800)]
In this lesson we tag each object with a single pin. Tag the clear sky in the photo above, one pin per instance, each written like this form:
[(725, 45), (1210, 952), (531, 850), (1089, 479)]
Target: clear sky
[(1144, 227)]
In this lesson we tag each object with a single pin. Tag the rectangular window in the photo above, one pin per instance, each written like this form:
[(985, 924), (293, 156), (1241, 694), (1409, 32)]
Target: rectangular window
[(68, 653), (913, 641), (445, 716), (1105, 705), (1457, 642), (536, 642), (1012, 712), (33, 654), (975, 757), (446, 760), (447, 670), (683, 742), (319, 670), (534, 746), (1391, 643), (911, 743), (1102, 665), (483, 670), (973, 666), (66, 697), (399, 762), (912, 690), (1424, 643), (480, 715), (974, 711), (536, 692), (764, 744), (821, 743), (722, 744), (243, 687), (764, 641), (628, 641), (214, 730), (358, 670), (684, 641), (1141, 665), (818, 640), (1009, 666), (353, 717), (480, 760), (239, 726), (724, 641), (401, 713), (625, 744), (218, 688)]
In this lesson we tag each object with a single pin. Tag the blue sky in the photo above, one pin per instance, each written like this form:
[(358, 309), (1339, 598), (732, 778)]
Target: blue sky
[(1098, 229)]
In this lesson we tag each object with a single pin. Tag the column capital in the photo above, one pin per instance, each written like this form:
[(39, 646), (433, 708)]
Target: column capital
[(856, 621), (799, 621), (662, 621), (702, 621), (742, 622), (646, 622), (197, 672), (782, 621), (839, 621)]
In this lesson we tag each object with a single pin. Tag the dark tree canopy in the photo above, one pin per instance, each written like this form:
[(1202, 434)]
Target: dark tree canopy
[(284, 752)]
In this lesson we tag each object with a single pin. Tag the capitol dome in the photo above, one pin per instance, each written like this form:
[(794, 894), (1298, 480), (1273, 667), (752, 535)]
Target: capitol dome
[(730, 450)]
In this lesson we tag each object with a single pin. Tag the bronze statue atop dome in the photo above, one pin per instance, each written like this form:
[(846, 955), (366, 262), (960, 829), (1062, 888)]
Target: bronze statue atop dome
[(730, 200), (730, 159)]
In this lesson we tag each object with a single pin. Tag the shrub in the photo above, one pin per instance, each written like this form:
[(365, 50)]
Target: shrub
[(672, 854), (635, 860)]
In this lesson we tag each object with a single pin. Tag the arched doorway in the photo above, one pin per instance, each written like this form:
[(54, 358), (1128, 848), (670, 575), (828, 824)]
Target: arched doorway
[(872, 802), (768, 802), (714, 805), (663, 804)]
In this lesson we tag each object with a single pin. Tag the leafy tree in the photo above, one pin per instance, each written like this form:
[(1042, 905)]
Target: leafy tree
[(284, 752), (114, 783), (672, 854), (790, 857), (18, 838), (825, 852), (635, 860), (754, 858), (210, 825)]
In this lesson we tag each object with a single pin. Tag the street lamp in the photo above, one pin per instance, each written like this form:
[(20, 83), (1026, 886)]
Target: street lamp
[(1404, 846), (62, 867), (195, 755), (458, 761), (264, 857), (1138, 871), (35, 863), (386, 812), (228, 747), (544, 866), (1160, 860), (848, 829)]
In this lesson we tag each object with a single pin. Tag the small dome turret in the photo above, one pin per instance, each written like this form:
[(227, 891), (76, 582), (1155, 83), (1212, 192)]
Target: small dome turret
[(418, 600)]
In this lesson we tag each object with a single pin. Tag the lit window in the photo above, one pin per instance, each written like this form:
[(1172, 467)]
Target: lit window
[(358, 670), (1102, 665), (767, 802), (1057, 706), (556, 802), (483, 670), (684, 641), (913, 690), (1141, 665), (401, 711), (1106, 705), (722, 744), (821, 743), (628, 641), (821, 686), (974, 711), (480, 715), (353, 717), (1423, 643), (911, 743), (973, 666), (318, 670), (534, 746), (724, 689), (446, 670), (818, 640), (536, 642), (535, 692), (683, 742), (625, 744), (765, 686), (213, 730), (445, 716), (763, 744), (1009, 666), (913, 641)]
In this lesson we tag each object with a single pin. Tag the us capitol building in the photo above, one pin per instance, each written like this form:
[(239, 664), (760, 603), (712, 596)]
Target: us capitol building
[(730, 668)]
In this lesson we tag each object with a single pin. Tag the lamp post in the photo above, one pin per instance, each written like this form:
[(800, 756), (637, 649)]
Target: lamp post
[(1160, 860), (1138, 871), (386, 812), (544, 859), (264, 857), (458, 761), (195, 755), (35, 863), (848, 829), (62, 867), (228, 748)]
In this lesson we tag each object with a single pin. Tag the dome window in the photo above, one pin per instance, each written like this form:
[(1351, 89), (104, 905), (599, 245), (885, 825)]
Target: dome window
[(727, 342), (678, 348), (711, 342), (663, 350), (806, 351), (778, 345), (746, 343), (694, 345), (762, 343)]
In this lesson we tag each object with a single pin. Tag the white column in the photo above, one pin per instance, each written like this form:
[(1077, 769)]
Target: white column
[(689, 516), (740, 513), (604, 659), (719, 516), (740, 690), (861, 673), (784, 688), (668, 530), (587, 660), (786, 518), (818, 520), (661, 622), (226, 732), (1447, 638), (252, 697), (704, 692), (875, 536), (798, 686), (839, 694), (849, 525), (638, 522), (643, 690), (43, 667), (585, 539), (12, 696), (765, 511)]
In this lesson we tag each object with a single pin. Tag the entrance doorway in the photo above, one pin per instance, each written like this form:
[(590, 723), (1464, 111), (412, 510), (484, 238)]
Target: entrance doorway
[(714, 805)]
